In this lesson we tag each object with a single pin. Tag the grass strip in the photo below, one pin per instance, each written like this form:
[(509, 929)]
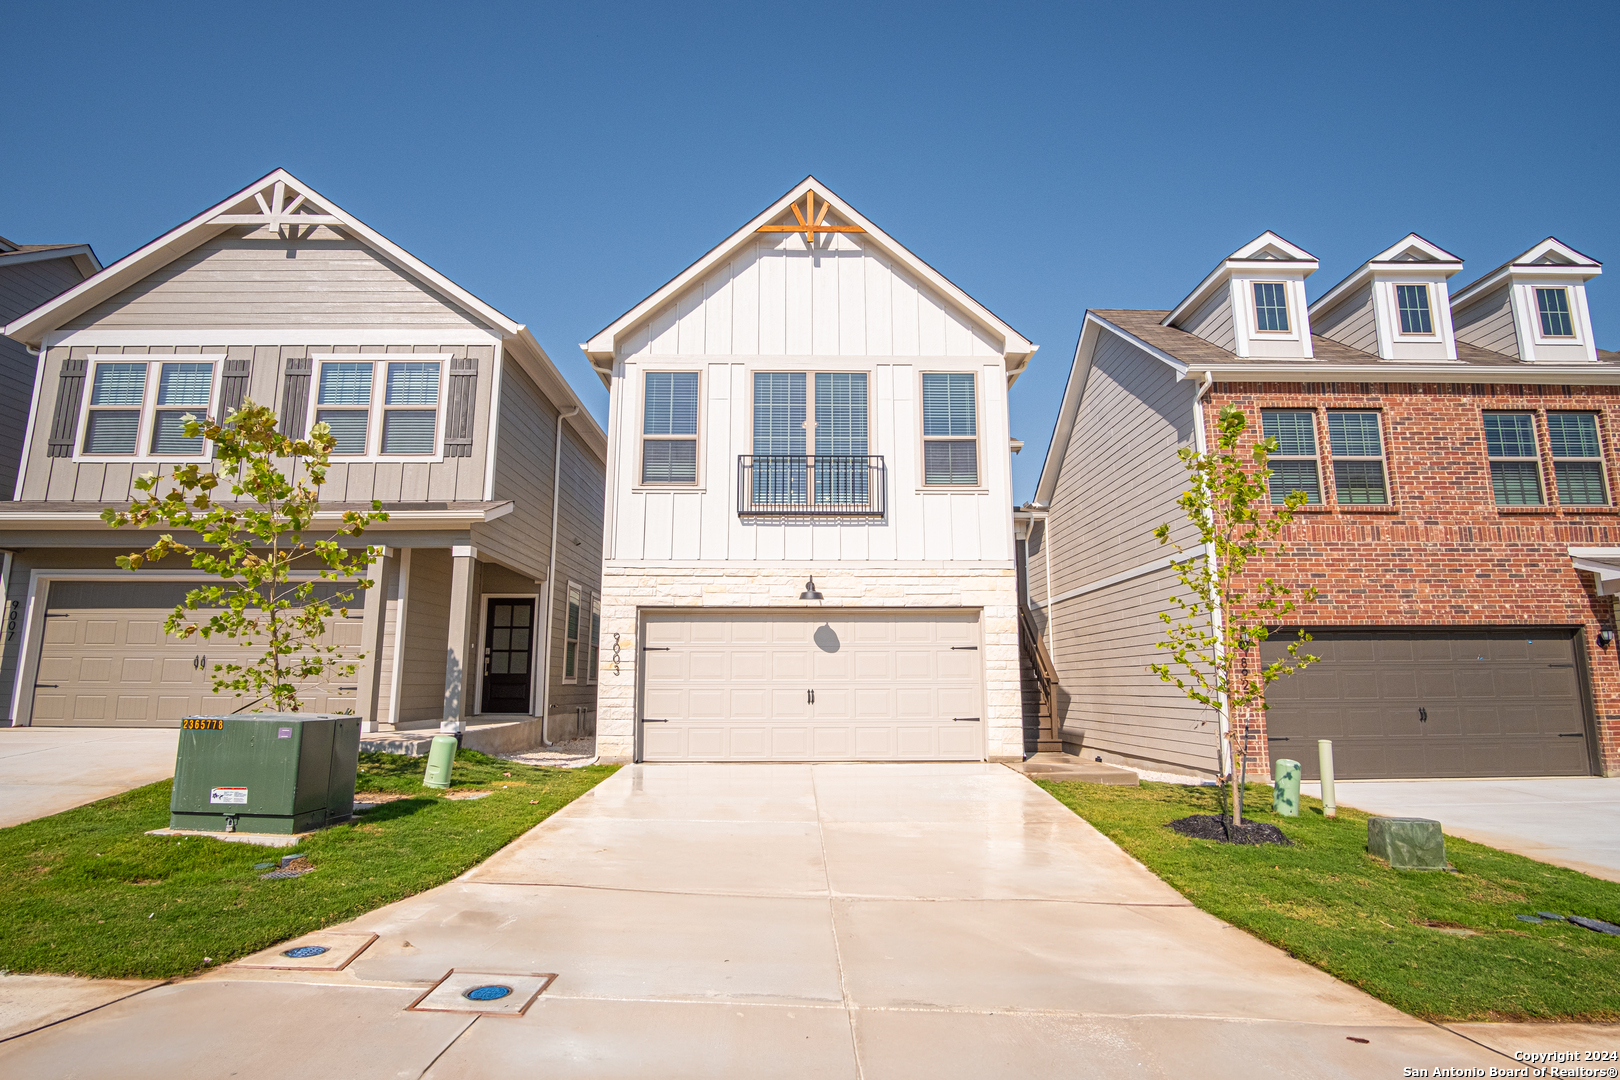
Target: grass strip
[(1393, 933), (86, 892)]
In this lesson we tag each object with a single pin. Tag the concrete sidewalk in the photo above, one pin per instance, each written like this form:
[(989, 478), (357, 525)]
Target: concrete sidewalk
[(1566, 820), (45, 770), (861, 921)]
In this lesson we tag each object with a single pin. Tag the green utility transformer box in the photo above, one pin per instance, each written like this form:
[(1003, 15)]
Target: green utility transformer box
[(265, 772)]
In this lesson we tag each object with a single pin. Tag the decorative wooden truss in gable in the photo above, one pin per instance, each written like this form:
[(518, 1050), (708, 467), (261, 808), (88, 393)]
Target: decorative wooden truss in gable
[(811, 220), (278, 208)]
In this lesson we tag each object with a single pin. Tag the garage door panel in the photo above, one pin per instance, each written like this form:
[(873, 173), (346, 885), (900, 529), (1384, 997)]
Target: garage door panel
[(49, 707), (89, 707), (885, 687), (173, 709), (1496, 702), (666, 665), (134, 707), (143, 632)]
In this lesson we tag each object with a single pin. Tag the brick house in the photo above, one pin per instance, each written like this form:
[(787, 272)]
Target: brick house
[(1458, 453)]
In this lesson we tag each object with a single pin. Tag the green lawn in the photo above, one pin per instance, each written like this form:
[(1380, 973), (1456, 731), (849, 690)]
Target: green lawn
[(86, 892), (1329, 903)]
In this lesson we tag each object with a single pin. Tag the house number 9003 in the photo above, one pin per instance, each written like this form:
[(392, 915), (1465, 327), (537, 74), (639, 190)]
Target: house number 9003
[(615, 654)]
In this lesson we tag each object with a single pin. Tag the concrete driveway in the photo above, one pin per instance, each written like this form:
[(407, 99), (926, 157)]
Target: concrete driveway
[(1567, 820), (861, 921), (47, 770)]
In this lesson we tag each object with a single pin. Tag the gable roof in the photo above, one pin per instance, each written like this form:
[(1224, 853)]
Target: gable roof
[(15, 254), (603, 346), (281, 199), (1551, 258), (1266, 250), (1410, 251)]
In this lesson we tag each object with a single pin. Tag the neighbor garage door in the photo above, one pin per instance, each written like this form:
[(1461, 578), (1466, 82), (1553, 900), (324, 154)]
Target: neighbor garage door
[(1433, 703), (104, 660), (794, 686)]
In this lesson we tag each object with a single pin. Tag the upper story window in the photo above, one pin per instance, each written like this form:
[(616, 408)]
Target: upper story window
[(571, 636), (788, 406), (399, 418), (1358, 458), (1510, 444), (1271, 307), (138, 407), (1412, 301), (1577, 458), (1553, 307), (1294, 465), (950, 428), (669, 424)]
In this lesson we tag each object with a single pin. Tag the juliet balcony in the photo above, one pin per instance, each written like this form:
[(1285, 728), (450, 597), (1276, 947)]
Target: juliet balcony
[(810, 485)]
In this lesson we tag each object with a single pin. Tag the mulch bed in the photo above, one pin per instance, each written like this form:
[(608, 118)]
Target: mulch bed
[(1219, 829)]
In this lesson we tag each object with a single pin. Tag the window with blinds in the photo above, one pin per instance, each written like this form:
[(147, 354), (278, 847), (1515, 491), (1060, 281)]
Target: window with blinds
[(1510, 445), (1577, 458), (402, 420), (594, 660), (669, 425), (1294, 465), (1358, 458), (140, 407), (950, 428)]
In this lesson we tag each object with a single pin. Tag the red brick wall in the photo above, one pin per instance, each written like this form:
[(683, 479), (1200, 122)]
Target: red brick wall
[(1442, 553)]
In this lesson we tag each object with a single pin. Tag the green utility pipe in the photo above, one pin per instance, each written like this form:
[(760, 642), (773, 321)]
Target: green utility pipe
[(441, 755), (1330, 801), (1285, 793)]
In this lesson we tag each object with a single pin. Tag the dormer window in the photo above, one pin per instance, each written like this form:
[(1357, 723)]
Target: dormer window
[(1553, 306), (1413, 304), (1271, 307)]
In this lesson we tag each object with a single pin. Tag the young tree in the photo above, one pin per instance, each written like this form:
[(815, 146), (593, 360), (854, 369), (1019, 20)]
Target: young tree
[(253, 542), (1215, 631)]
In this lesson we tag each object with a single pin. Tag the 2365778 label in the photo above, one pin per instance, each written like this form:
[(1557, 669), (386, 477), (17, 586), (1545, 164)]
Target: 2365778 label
[(202, 723)]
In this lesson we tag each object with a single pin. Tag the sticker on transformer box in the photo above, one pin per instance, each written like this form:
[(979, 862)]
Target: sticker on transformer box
[(228, 795)]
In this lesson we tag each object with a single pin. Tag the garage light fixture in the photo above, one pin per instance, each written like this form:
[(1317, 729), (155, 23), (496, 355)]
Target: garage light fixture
[(1605, 637), (811, 594)]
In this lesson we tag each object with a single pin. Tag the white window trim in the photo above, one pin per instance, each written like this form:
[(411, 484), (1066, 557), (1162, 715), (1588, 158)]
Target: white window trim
[(1288, 308), (1318, 426), (375, 410), (1332, 459), (596, 640), (1601, 459), (143, 431), (923, 486), (1537, 423), (575, 595), (483, 640), (641, 484), (1395, 311), (1571, 338)]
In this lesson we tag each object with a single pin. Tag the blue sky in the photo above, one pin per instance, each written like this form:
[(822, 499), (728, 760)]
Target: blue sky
[(562, 161)]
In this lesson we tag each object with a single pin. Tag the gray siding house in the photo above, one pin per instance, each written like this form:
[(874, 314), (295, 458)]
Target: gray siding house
[(446, 410), (30, 274)]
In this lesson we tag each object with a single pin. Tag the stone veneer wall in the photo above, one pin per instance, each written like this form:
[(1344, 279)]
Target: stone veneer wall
[(628, 589)]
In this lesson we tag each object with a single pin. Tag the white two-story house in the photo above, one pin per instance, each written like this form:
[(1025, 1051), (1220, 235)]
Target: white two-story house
[(808, 548), (443, 408)]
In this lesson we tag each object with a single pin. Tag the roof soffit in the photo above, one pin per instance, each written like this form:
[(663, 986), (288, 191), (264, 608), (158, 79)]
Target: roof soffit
[(781, 216), (1267, 252), (278, 201)]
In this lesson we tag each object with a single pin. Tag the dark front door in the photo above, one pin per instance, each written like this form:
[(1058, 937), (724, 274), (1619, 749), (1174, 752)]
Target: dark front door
[(508, 653), (1433, 703)]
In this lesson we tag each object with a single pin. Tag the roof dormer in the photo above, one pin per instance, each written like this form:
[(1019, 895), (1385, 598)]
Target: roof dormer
[(1395, 304), (1532, 307), (1253, 303)]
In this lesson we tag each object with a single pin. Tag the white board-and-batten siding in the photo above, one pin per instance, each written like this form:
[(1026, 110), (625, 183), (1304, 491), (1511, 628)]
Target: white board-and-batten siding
[(776, 305), (1120, 479), (64, 479)]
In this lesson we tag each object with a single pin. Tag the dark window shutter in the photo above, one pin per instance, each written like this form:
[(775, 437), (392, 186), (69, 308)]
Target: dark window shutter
[(69, 394), (295, 397), (458, 417), (234, 383)]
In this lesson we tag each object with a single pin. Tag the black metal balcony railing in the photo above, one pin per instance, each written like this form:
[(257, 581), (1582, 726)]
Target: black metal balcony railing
[(805, 485)]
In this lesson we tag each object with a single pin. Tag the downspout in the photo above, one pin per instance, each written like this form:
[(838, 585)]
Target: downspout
[(551, 576), (1202, 440)]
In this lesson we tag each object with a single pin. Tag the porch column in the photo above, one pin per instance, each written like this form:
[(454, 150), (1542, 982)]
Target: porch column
[(459, 663), (371, 640)]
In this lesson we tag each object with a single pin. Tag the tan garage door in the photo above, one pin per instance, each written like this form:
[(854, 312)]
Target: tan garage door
[(1433, 703), (105, 661), (792, 686)]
